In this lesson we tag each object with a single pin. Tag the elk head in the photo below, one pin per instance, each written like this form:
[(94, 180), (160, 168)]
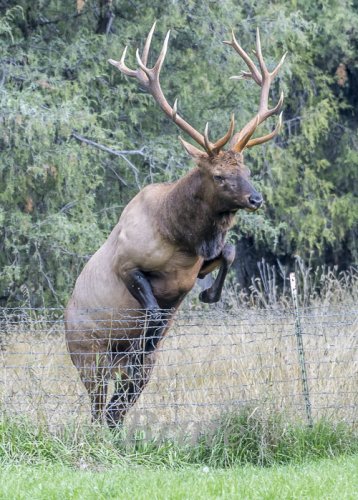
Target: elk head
[(226, 176)]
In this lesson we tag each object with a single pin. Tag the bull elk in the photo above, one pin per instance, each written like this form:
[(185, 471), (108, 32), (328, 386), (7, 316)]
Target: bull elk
[(167, 236)]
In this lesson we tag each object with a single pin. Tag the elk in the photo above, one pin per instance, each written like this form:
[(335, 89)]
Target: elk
[(168, 235)]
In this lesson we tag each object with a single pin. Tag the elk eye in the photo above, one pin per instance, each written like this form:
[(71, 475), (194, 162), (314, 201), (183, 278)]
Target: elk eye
[(218, 178)]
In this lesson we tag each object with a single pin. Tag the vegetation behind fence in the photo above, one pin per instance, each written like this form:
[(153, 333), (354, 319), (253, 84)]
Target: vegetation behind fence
[(211, 363)]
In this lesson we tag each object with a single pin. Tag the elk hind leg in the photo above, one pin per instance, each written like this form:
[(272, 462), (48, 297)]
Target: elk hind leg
[(128, 387), (93, 371)]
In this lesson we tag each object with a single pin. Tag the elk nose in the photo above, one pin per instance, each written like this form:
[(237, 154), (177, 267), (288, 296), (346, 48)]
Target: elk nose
[(255, 200)]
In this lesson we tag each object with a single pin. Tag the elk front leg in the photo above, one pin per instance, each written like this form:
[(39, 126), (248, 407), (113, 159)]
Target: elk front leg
[(139, 286), (223, 261)]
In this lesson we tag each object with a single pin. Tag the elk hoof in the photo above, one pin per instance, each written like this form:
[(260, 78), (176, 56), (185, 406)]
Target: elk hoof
[(207, 297)]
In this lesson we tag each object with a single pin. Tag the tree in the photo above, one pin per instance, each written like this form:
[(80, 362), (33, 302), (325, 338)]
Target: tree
[(60, 195)]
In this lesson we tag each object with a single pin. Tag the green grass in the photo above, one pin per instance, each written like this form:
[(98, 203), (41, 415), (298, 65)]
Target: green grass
[(246, 455), (253, 437), (247, 437), (335, 478)]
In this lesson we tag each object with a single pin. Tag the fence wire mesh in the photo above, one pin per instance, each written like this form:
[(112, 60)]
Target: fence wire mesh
[(210, 362)]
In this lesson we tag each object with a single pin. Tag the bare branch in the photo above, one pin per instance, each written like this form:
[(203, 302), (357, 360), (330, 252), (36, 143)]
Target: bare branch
[(121, 153), (116, 152)]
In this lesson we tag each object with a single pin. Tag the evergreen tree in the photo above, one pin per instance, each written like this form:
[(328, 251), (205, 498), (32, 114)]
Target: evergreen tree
[(78, 139)]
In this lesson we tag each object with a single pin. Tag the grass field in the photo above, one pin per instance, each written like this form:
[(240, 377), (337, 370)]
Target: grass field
[(326, 479), (97, 464)]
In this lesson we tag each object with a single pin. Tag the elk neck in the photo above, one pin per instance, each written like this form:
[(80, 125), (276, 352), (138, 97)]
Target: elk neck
[(192, 216)]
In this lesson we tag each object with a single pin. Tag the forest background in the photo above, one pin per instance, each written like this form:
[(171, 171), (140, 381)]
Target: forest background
[(60, 196)]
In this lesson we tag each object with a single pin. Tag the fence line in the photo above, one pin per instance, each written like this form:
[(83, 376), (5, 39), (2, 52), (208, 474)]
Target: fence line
[(212, 361)]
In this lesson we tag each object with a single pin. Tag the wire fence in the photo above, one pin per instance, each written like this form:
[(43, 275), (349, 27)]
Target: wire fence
[(211, 361)]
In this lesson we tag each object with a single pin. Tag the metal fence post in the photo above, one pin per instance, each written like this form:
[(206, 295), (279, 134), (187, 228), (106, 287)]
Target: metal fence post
[(300, 350)]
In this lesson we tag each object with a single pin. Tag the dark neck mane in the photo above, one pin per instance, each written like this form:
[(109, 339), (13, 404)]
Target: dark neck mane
[(192, 217)]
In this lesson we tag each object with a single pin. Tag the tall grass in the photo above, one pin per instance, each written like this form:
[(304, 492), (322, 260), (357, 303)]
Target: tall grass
[(246, 437), (270, 288), (250, 436)]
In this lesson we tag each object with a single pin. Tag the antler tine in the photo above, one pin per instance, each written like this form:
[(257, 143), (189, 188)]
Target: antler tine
[(278, 67), (277, 108), (259, 54), (208, 146), (153, 73), (142, 61), (149, 79), (121, 64), (245, 75), (254, 73), (267, 137), (241, 138), (175, 109), (158, 65), (264, 80), (147, 44), (221, 142), (213, 149)]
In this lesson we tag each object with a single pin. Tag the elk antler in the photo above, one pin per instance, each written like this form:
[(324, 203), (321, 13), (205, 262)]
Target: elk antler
[(149, 79), (264, 79)]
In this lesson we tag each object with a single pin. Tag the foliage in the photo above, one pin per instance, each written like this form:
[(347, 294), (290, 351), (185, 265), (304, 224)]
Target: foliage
[(60, 197)]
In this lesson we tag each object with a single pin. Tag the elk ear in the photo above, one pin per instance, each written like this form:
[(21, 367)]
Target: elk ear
[(194, 152)]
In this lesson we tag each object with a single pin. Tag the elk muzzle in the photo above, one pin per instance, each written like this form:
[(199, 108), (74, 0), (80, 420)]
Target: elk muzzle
[(254, 201)]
